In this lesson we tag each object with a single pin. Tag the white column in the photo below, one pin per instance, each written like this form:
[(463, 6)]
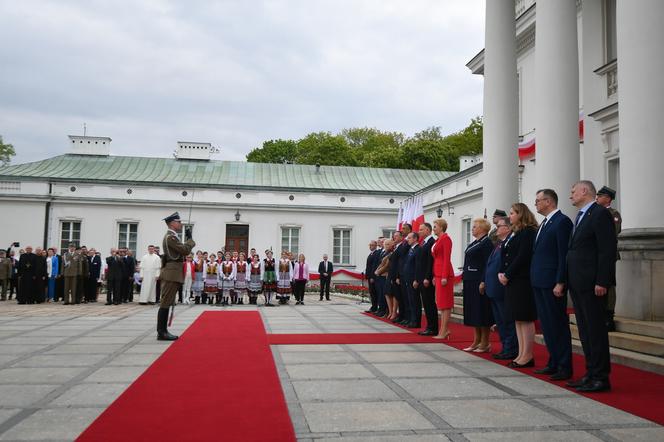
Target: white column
[(557, 95), (501, 110), (641, 107), (640, 271)]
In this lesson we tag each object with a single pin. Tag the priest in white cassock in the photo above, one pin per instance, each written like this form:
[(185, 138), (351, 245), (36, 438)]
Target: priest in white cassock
[(150, 267)]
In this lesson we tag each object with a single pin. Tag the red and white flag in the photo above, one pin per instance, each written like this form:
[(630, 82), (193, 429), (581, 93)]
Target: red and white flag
[(400, 217), (418, 213)]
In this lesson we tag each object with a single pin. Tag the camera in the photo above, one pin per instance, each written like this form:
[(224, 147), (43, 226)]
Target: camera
[(16, 244)]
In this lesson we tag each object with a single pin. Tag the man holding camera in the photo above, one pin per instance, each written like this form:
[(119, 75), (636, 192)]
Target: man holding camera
[(171, 274)]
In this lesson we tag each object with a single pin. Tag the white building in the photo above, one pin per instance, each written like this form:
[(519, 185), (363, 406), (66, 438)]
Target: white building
[(550, 83)]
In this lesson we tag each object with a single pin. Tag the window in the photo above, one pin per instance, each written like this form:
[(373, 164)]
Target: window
[(466, 232), (341, 246), (181, 232), (71, 232), (290, 240), (610, 34), (387, 233), (127, 235)]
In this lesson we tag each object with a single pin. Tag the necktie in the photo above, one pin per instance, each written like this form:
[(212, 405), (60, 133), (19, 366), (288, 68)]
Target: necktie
[(541, 228)]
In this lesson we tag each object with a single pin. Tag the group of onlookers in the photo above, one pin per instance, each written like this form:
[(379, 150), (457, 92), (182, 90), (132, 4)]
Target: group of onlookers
[(512, 275)]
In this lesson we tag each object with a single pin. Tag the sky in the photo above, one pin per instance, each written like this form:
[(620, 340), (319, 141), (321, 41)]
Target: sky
[(236, 73)]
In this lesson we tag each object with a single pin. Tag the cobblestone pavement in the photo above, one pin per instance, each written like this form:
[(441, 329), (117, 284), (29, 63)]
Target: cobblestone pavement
[(60, 366)]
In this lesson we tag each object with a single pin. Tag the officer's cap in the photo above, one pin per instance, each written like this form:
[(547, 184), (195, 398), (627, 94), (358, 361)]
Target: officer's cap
[(607, 191), (499, 212), (173, 217)]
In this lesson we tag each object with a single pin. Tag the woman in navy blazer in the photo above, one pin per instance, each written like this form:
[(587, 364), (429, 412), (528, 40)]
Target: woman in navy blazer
[(515, 276)]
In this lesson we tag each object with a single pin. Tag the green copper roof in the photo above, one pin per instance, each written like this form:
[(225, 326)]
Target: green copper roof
[(227, 174)]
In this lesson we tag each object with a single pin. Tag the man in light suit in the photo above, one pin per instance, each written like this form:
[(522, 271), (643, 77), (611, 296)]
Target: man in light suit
[(548, 279), (591, 270), (325, 270)]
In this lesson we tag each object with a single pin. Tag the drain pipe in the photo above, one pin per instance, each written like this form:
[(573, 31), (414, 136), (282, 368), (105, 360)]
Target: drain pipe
[(47, 215)]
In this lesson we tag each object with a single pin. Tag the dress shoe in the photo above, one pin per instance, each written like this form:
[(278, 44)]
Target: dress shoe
[(404, 322), (379, 313), (109, 303), (166, 336), (413, 325), (471, 348), (503, 356), (528, 364), (426, 332), (482, 349), (594, 386), (560, 376), (545, 370), (576, 384)]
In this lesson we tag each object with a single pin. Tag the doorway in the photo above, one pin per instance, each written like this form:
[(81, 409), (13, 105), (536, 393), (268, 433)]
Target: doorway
[(237, 238)]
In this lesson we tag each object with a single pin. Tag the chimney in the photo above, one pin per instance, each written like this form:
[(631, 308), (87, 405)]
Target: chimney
[(84, 145)]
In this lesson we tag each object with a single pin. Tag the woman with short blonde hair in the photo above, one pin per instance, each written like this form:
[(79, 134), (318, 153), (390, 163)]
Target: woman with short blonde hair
[(443, 276)]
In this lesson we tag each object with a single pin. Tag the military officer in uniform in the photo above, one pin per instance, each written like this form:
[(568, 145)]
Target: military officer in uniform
[(171, 275), (605, 197)]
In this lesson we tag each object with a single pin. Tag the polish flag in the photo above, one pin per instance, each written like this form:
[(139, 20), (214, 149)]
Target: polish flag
[(418, 213)]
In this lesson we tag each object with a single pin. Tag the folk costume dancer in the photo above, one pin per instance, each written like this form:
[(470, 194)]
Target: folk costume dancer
[(171, 271), (226, 280), (211, 280), (241, 278), (255, 276), (269, 278), (189, 272), (197, 285), (285, 278)]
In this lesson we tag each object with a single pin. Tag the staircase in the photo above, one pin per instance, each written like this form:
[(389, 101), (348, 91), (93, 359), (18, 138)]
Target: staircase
[(637, 344)]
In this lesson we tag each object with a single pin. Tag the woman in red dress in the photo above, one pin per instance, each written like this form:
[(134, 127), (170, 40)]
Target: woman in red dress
[(443, 276)]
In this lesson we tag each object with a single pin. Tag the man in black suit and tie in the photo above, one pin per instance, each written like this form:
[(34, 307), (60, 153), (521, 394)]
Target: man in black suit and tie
[(591, 270), (114, 275), (424, 278), (396, 267), (548, 279), (369, 270), (379, 281), (325, 270), (410, 286)]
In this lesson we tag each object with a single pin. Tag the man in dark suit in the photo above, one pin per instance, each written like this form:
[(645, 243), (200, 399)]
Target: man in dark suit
[(379, 281), (591, 270), (130, 264), (410, 283), (369, 270), (548, 278), (94, 264), (424, 278), (28, 274), (114, 271), (396, 267), (325, 269)]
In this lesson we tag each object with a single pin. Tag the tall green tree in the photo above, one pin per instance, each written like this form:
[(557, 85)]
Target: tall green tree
[(6, 152), (274, 151), (325, 148)]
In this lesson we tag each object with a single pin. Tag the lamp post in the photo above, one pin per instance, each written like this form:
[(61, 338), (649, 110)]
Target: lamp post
[(237, 215)]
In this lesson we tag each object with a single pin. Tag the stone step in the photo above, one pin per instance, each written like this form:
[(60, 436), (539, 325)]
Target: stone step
[(627, 341), (653, 329), (621, 356)]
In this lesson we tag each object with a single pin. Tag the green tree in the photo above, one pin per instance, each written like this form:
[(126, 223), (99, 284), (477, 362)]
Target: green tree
[(6, 152), (373, 148), (274, 151), (325, 149)]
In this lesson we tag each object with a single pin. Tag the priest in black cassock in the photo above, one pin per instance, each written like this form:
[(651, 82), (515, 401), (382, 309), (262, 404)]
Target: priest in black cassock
[(29, 269)]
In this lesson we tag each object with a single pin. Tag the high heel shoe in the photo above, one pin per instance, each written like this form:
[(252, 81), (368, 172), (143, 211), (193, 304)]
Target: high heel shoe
[(471, 348), (515, 364), (445, 336), (483, 349)]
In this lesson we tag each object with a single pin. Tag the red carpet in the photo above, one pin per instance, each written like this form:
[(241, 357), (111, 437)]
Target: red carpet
[(634, 391), (217, 382)]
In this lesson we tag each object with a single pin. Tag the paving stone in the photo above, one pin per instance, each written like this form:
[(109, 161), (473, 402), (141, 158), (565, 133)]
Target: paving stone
[(39, 375), (311, 347), (426, 389), (381, 347), (87, 349), (363, 416), (393, 356), (115, 374), (138, 359), (309, 357), (327, 371), (532, 386), (455, 356), (488, 368), (534, 436), (7, 358), (383, 438), (654, 434), (78, 360), (503, 413), (103, 340), (89, 395), (19, 349), (149, 348), (6, 413), (589, 411), (53, 424), (23, 395), (436, 346), (348, 390), (32, 340), (418, 370)]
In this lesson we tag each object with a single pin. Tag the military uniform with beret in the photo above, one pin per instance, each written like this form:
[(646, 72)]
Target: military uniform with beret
[(617, 223)]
